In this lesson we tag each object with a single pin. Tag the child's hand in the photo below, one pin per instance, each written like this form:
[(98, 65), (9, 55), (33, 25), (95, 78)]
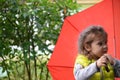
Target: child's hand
[(110, 58), (102, 61)]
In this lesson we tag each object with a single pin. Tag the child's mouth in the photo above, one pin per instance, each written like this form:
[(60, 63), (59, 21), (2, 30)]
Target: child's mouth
[(105, 51)]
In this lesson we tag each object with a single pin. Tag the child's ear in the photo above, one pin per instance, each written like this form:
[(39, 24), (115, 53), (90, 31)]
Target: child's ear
[(87, 47)]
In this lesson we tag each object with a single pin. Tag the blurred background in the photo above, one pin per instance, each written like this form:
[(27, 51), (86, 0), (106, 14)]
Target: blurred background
[(28, 33)]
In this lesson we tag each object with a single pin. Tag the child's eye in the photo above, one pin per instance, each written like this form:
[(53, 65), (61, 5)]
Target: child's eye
[(100, 43), (105, 42)]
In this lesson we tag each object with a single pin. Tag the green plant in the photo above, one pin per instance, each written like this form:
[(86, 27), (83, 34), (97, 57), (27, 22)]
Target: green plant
[(27, 30)]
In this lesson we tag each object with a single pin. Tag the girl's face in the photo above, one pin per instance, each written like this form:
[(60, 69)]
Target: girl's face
[(99, 46)]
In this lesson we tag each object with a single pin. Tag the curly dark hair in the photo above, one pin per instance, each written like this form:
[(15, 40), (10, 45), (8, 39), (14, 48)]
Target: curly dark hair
[(87, 36)]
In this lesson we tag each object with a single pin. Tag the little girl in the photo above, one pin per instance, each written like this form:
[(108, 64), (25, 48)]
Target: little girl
[(93, 62)]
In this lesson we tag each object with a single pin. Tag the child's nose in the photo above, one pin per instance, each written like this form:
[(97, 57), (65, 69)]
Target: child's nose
[(105, 46)]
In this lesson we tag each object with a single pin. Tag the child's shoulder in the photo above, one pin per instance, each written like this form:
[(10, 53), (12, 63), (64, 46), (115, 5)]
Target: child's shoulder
[(82, 59)]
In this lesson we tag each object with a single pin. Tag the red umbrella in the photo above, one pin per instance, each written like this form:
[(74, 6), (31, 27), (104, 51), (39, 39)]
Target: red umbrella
[(105, 14)]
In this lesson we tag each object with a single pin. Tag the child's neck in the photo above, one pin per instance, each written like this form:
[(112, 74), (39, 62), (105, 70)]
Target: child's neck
[(93, 57)]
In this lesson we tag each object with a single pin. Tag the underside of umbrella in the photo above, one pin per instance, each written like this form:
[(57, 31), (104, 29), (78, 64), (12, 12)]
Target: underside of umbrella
[(105, 14)]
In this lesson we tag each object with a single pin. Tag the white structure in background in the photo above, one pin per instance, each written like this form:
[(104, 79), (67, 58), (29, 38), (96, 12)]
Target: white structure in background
[(2, 74)]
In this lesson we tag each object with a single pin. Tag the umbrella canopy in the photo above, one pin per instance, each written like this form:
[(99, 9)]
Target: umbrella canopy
[(63, 57)]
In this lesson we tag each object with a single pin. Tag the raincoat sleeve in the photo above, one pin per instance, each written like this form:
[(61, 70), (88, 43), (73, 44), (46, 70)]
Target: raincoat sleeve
[(81, 73), (117, 68)]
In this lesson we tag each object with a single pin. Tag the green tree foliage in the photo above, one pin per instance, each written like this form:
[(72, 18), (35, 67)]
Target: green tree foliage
[(27, 30)]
